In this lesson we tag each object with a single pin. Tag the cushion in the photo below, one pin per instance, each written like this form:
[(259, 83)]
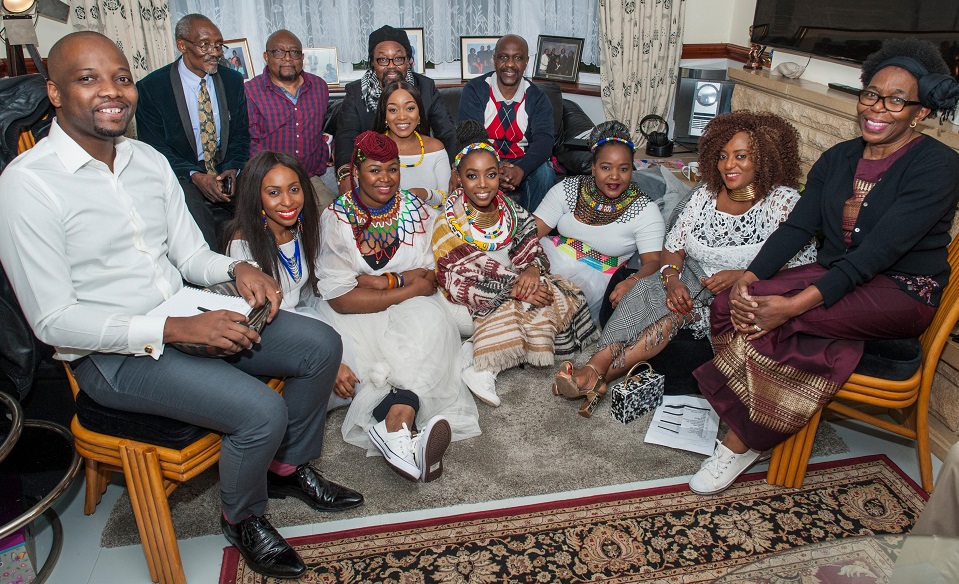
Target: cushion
[(893, 359), (140, 427)]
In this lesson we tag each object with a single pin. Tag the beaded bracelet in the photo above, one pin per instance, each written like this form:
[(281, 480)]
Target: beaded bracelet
[(342, 172), (673, 266)]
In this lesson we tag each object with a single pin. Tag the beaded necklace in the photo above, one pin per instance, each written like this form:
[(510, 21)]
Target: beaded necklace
[(386, 227), (422, 150), (595, 208), (292, 264), (490, 238)]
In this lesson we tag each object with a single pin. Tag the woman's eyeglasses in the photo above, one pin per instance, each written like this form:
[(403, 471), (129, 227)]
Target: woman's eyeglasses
[(890, 102)]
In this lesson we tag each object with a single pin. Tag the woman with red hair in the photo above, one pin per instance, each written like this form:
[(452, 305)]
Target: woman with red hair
[(378, 286)]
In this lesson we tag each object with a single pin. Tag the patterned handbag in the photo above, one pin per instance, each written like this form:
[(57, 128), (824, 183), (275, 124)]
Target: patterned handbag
[(637, 395), (256, 321)]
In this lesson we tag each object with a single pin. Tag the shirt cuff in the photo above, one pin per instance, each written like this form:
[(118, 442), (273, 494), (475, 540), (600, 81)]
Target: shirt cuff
[(146, 335)]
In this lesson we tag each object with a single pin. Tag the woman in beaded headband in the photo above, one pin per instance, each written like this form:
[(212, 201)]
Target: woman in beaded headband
[(489, 259), (426, 167), (378, 291), (883, 203), (602, 220), (710, 241)]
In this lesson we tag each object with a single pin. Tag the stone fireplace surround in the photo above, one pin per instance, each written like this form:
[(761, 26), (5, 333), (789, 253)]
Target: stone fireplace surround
[(825, 117)]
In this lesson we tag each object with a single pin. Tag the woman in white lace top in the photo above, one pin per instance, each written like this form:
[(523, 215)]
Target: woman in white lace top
[(750, 168)]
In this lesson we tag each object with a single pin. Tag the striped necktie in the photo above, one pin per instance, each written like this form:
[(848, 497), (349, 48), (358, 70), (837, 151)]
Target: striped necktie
[(207, 128)]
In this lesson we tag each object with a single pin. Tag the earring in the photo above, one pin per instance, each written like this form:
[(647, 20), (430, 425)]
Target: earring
[(914, 123), (263, 214), (299, 224)]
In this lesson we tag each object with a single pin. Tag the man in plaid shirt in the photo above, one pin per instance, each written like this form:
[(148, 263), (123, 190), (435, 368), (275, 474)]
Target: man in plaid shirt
[(287, 108)]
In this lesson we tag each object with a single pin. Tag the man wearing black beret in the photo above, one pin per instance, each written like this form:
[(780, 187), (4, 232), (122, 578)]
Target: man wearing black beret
[(390, 61)]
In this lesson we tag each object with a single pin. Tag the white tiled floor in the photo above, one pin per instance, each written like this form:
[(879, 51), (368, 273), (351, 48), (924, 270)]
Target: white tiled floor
[(83, 560)]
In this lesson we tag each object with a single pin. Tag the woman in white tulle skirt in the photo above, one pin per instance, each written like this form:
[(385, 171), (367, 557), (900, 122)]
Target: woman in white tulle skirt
[(378, 287)]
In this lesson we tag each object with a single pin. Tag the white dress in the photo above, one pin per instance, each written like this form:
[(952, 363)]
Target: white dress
[(413, 345), (639, 229), (433, 174)]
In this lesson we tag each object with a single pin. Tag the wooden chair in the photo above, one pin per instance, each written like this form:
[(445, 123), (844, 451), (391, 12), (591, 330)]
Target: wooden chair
[(152, 471), (906, 400)]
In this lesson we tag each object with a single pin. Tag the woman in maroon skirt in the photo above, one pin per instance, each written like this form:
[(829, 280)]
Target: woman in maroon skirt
[(786, 341)]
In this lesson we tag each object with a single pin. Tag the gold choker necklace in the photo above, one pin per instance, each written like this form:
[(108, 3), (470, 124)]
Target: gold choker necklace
[(743, 195)]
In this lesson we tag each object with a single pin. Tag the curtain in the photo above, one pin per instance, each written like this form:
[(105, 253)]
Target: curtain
[(346, 24), (141, 29), (640, 45)]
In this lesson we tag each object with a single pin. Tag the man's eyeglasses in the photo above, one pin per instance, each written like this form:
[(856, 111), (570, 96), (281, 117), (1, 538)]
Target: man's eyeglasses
[(294, 54), (890, 102), (398, 60), (206, 47)]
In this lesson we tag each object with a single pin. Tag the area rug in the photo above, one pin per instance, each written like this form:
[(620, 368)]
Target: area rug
[(533, 444), (663, 534)]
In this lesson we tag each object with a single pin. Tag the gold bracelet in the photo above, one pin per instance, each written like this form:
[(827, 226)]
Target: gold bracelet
[(666, 278)]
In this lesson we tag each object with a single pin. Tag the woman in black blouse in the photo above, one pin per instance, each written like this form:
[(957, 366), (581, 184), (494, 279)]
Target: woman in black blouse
[(787, 340)]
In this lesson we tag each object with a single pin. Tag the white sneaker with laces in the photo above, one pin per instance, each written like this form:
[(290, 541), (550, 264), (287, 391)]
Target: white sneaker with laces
[(397, 449), (721, 469), (429, 447)]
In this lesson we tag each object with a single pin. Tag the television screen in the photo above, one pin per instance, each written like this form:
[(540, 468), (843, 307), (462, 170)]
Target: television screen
[(849, 30)]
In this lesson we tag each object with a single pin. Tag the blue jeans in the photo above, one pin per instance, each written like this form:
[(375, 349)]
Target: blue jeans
[(258, 425), (534, 186)]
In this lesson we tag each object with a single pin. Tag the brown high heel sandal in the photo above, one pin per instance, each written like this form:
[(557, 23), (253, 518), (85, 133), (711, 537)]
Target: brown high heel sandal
[(565, 385), (594, 395)]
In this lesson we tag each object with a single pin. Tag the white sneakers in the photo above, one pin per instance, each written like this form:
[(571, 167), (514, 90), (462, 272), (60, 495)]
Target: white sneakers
[(481, 383), (430, 446), (414, 457), (721, 469), (397, 448)]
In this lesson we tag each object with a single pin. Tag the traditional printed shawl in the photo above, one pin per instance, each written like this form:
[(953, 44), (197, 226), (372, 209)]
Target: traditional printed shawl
[(507, 331)]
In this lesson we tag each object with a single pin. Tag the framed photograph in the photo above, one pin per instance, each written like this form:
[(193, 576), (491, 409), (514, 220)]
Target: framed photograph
[(557, 58), (236, 53), (419, 55), (321, 61), (476, 55)]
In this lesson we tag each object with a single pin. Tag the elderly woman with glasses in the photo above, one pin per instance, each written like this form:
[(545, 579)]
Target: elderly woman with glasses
[(391, 60), (750, 165), (786, 340)]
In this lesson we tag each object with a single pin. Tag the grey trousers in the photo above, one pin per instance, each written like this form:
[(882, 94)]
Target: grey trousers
[(258, 425)]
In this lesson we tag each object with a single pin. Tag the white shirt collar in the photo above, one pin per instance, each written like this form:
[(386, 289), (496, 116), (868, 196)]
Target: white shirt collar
[(190, 76), (73, 157)]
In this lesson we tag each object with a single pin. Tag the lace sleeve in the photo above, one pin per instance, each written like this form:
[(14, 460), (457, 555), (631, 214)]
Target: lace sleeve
[(782, 200), (684, 221)]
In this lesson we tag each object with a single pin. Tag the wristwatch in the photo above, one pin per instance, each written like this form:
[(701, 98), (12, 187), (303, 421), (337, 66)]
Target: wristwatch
[(232, 269)]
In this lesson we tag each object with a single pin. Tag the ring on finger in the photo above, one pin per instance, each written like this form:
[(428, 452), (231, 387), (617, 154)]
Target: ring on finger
[(758, 328)]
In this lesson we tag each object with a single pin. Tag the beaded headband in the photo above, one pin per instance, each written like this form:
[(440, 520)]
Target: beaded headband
[(472, 148), (602, 141)]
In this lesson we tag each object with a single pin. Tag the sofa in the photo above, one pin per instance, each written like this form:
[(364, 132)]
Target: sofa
[(569, 120)]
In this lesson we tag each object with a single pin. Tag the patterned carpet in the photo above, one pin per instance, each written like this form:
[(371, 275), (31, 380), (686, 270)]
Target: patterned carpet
[(664, 534)]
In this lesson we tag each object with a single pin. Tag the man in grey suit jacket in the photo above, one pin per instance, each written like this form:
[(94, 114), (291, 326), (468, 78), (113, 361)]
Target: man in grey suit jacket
[(168, 118)]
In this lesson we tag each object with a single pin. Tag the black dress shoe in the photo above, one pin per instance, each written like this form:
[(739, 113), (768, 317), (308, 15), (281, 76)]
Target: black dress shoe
[(310, 487), (263, 548)]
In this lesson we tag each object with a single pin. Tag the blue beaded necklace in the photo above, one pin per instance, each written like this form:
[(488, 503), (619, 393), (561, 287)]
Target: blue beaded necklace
[(292, 265)]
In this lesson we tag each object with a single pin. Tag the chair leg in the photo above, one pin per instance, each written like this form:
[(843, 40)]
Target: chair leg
[(141, 467), (787, 467), (97, 478), (922, 446)]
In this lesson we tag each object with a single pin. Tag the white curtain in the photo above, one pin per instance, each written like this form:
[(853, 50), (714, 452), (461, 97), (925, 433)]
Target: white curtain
[(640, 45), (141, 29), (346, 24)]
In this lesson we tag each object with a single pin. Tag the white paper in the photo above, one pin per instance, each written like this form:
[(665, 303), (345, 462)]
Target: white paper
[(192, 301), (684, 422)]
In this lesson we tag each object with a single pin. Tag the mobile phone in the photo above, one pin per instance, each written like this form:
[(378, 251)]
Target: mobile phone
[(226, 185)]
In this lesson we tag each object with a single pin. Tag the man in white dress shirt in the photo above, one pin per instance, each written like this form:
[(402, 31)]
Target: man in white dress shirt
[(94, 233)]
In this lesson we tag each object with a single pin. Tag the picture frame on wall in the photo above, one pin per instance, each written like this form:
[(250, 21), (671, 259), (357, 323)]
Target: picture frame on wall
[(476, 55), (321, 61), (419, 53), (558, 58), (237, 56)]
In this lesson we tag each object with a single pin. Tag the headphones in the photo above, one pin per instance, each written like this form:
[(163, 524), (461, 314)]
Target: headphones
[(658, 143)]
